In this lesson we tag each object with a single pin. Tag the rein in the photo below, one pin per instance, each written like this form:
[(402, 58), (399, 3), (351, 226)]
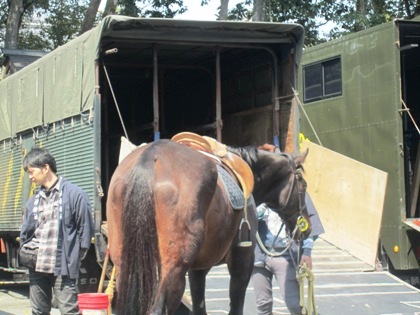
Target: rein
[(274, 253)]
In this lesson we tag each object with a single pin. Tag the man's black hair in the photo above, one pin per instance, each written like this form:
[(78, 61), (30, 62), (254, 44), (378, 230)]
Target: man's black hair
[(38, 157)]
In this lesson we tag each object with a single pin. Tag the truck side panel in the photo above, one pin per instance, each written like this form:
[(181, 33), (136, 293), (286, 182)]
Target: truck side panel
[(71, 142), (365, 121)]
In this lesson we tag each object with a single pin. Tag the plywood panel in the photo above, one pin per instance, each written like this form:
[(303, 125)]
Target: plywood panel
[(349, 197)]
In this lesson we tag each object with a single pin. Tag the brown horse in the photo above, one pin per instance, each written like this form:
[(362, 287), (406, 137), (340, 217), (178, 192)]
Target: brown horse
[(168, 214)]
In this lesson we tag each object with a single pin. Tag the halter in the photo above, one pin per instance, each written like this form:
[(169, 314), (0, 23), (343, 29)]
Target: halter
[(301, 223)]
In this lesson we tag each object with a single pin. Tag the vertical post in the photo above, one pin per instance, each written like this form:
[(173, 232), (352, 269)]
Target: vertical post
[(219, 122), (155, 94), (276, 104), (100, 243)]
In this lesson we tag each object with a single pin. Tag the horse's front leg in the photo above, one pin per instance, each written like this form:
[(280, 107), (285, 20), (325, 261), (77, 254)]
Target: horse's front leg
[(197, 280), (240, 264)]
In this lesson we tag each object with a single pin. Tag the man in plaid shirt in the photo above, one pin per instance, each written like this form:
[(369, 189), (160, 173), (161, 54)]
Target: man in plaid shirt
[(58, 222)]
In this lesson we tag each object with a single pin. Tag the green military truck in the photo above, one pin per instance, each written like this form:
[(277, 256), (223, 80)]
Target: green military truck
[(143, 79), (361, 94)]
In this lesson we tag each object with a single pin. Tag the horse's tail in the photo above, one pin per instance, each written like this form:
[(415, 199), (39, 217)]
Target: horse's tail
[(140, 267)]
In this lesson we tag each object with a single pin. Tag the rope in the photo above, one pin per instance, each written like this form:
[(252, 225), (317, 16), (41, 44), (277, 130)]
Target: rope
[(301, 273), (306, 115), (115, 101), (274, 253), (411, 116)]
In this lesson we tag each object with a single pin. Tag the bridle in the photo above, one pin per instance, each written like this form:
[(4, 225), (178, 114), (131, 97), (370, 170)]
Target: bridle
[(295, 177), (302, 224)]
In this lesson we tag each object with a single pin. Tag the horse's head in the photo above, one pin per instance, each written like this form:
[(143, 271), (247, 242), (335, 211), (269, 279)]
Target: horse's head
[(280, 184)]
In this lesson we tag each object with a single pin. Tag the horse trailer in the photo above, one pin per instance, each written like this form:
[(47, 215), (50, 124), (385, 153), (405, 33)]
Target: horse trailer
[(362, 98), (143, 79)]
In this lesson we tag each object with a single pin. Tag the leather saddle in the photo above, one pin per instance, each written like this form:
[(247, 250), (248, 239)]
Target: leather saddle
[(234, 163)]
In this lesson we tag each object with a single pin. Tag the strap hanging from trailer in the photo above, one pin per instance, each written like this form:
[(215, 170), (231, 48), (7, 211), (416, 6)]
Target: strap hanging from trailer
[(406, 109), (113, 94), (306, 115)]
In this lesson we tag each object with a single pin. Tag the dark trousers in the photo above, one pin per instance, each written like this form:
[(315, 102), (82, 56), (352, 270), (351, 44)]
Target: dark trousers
[(283, 269), (41, 287)]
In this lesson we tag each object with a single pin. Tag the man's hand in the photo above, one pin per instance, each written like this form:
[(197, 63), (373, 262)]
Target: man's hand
[(307, 260)]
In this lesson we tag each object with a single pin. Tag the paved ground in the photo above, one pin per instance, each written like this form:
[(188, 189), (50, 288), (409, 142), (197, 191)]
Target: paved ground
[(343, 285)]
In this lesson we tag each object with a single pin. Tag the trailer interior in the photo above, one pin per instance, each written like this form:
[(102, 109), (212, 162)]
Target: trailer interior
[(409, 43), (224, 80)]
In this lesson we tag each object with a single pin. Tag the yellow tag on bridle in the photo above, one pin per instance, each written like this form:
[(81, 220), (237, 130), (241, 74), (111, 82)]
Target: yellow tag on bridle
[(303, 224)]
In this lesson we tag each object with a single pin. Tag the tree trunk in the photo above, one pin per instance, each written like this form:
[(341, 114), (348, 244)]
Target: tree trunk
[(110, 8), (361, 10), (258, 10), (90, 16), (379, 7), (14, 19), (223, 12), (417, 8)]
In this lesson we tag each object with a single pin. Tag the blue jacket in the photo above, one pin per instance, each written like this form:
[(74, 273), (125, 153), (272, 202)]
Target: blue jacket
[(75, 230)]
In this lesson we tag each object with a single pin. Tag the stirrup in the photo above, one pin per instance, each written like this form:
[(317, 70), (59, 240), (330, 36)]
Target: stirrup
[(245, 240)]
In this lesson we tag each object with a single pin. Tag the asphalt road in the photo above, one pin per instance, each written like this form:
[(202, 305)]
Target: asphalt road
[(14, 300)]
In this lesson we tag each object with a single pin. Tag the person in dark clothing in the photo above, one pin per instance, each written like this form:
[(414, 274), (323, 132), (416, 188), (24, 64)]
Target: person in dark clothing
[(58, 223)]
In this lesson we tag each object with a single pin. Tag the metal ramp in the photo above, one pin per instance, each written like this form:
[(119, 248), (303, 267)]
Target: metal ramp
[(344, 285)]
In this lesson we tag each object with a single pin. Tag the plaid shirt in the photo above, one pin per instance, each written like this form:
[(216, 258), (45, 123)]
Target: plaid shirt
[(46, 235)]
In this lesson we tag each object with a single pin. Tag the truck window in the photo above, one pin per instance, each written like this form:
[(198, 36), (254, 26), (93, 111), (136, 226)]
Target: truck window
[(322, 80)]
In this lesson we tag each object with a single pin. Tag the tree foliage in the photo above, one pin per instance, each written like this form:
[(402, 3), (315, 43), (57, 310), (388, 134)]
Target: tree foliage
[(344, 16), (53, 26), (152, 8), (46, 24)]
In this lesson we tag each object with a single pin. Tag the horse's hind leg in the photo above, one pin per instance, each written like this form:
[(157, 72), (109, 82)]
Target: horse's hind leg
[(240, 266), (197, 280), (169, 293)]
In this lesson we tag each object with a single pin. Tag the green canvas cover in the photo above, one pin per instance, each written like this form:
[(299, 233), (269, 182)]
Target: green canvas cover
[(27, 100), (5, 111), (53, 88), (62, 83)]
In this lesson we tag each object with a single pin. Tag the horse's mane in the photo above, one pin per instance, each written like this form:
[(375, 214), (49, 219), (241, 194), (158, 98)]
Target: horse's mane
[(248, 153)]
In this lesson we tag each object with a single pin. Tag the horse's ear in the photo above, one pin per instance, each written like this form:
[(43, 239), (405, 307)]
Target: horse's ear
[(300, 159)]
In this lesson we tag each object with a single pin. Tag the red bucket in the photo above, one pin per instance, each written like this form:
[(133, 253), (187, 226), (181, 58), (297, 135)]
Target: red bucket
[(93, 303)]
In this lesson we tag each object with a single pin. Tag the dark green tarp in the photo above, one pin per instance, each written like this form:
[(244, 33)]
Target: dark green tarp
[(62, 83)]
